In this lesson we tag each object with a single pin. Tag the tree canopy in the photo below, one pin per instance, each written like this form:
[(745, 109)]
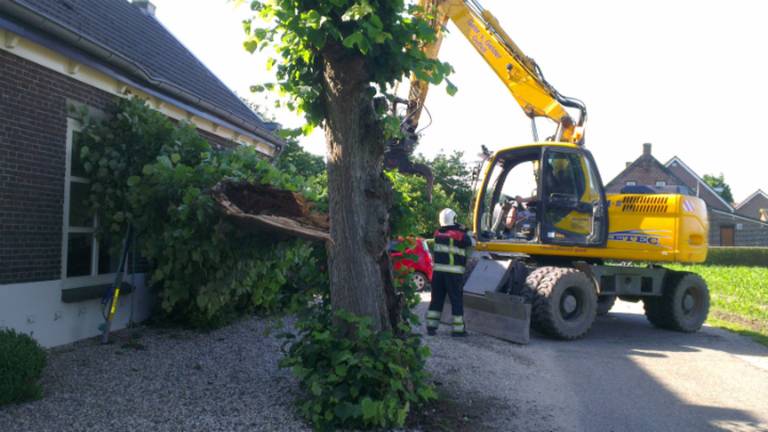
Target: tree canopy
[(455, 178), (720, 186), (386, 35)]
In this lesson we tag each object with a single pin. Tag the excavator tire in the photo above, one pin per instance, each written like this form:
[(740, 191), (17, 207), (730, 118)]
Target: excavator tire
[(564, 302), (604, 304), (683, 305), (653, 312)]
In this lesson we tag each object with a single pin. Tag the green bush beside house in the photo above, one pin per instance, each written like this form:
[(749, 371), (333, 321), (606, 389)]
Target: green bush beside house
[(21, 363)]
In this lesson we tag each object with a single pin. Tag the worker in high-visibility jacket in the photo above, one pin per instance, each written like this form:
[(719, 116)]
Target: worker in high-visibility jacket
[(451, 249)]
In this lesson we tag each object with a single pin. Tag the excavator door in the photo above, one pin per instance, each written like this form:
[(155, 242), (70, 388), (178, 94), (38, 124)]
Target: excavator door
[(572, 200)]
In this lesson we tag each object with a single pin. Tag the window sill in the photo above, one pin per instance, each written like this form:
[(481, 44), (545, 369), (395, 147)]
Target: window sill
[(90, 292)]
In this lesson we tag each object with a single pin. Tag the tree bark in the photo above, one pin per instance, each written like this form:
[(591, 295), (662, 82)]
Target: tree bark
[(359, 195)]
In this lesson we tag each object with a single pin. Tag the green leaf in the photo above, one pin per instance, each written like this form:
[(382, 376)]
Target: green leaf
[(369, 408), (357, 39), (450, 87), (346, 410), (357, 11), (312, 19)]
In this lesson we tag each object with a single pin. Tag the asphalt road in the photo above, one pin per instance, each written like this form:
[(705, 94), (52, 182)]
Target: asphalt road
[(625, 375)]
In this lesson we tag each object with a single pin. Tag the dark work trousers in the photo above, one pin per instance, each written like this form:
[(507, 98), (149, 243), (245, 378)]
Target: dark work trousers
[(447, 283)]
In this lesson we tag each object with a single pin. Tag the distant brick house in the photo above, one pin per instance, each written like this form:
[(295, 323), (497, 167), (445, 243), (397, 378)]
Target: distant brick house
[(729, 225), (755, 206), (56, 55)]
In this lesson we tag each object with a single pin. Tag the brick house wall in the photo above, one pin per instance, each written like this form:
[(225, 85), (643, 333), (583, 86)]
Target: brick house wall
[(33, 108), (752, 208)]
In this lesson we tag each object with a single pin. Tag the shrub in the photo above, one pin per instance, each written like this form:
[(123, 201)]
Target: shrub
[(155, 175), (353, 377), (357, 378), (738, 256), (21, 363)]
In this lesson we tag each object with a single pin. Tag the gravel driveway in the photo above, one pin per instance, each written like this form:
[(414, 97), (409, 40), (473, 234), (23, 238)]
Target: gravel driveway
[(166, 380), (624, 376)]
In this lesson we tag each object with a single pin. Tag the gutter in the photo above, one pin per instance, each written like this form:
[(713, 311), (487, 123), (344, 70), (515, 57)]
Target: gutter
[(738, 216), (45, 23)]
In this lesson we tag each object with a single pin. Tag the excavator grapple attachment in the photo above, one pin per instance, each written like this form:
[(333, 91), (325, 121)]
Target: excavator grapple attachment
[(398, 159), (487, 308)]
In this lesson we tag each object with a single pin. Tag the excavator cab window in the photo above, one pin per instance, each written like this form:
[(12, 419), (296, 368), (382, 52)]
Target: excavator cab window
[(509, 204), (573, 201), (543, 195)]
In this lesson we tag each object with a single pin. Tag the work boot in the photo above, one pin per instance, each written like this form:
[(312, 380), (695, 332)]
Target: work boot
[(433, 321), (458, 328)]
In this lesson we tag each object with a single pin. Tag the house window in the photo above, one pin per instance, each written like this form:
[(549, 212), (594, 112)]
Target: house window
[(631, 183), (660, 183), (82, 254)]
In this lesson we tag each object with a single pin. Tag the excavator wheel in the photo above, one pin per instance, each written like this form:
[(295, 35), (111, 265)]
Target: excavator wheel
[(564, 302), (683, 305)]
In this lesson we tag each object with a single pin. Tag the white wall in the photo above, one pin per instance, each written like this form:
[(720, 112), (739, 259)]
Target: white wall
[(36, 309)]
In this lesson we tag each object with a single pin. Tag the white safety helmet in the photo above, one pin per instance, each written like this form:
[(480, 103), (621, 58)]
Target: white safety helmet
[(447, 217)]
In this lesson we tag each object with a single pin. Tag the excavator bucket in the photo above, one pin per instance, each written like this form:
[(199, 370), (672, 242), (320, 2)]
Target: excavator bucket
[(488, 309)]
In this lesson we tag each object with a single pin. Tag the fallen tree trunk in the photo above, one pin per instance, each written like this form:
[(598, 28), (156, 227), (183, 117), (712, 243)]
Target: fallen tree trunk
[(264, 208)]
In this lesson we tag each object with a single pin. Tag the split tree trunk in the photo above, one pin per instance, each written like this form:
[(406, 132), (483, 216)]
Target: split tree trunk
[(359, 195)]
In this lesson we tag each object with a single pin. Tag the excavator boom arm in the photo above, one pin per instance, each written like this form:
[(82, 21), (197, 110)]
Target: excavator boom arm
[(519, 73)]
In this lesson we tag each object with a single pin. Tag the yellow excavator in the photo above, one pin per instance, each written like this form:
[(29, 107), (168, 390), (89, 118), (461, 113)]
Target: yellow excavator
[(553, 249)]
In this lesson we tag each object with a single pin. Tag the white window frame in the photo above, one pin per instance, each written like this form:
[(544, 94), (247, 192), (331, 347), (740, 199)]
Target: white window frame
[(661, 183), (631, 183), (93, 277)]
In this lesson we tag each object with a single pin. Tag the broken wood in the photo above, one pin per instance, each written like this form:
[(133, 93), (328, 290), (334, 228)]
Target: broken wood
[(264, 208)]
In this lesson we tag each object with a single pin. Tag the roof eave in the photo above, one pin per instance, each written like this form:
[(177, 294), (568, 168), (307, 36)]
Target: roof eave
[(69, 35), (750, 198)]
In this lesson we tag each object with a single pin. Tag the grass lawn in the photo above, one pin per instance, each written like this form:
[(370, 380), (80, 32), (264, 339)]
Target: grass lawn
[(739, 298)]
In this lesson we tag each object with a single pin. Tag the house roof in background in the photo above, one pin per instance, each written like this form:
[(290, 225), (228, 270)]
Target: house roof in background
[(637, 163), (751, 197), (134, 37), (699, 180)]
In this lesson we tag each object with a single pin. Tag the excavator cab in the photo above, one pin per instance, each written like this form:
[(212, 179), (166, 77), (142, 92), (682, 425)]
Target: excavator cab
[(542, 194)]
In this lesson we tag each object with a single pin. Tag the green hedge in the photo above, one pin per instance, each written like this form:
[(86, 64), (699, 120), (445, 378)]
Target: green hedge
[(21, 363), (738, 256)]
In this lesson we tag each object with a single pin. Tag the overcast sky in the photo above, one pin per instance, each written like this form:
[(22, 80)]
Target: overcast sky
[(690, 77)]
